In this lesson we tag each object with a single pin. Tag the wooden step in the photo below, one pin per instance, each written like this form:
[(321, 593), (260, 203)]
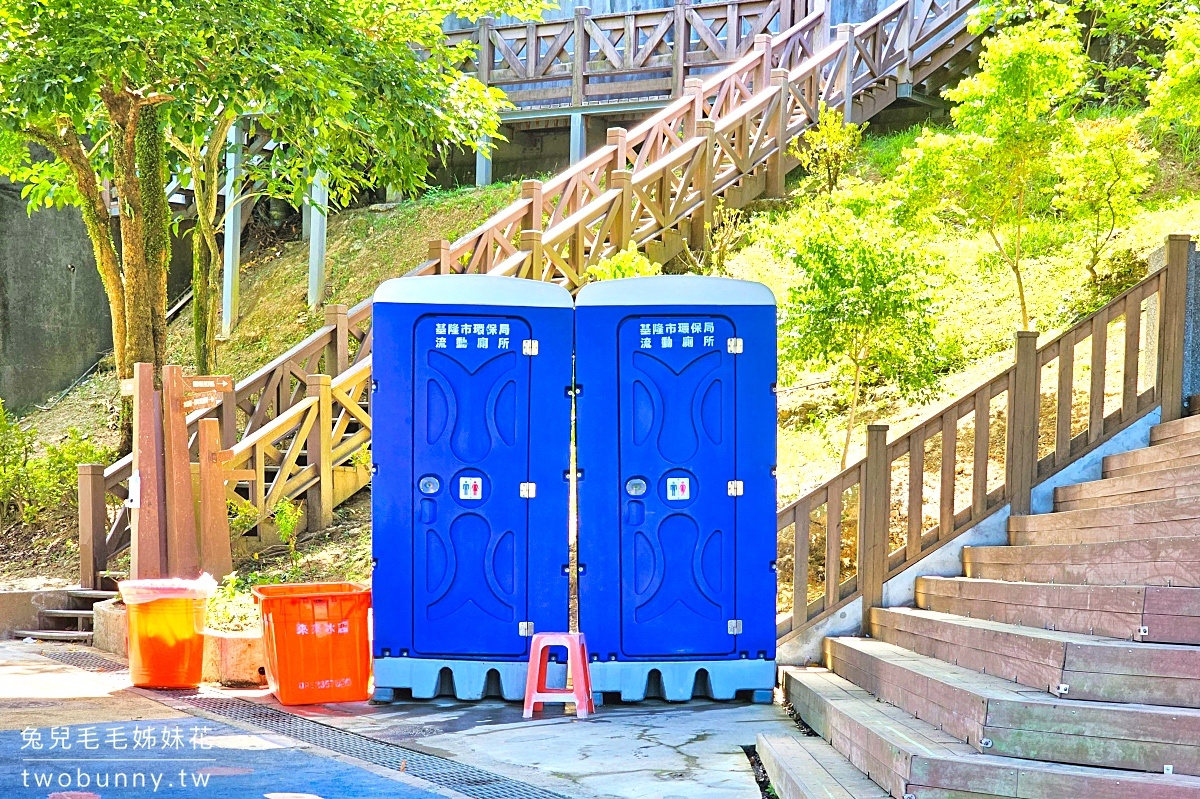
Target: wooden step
[(1150, 487), (1143, 520), (1140, 613), (910, 757), (1173, 454), (80, 636), (998, 717), (807, 767), (1066, 664), (1148, 561), (1175, 430)]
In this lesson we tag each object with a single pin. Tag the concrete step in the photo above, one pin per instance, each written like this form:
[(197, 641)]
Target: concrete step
[(68, 614), (80, 636), (1062, 663), (1176, 430), (910, 757), (1175, 483), (93, 596), (1171, 455), (1147, 561), (1122, 523), (1141, 613), (807, 767), (998, 717)]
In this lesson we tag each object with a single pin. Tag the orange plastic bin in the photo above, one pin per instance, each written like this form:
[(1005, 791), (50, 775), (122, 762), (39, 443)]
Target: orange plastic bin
[(166, 630), (316, 641)]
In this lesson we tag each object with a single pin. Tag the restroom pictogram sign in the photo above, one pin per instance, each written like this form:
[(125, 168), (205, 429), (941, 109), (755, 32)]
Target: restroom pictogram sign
[(470, 488)]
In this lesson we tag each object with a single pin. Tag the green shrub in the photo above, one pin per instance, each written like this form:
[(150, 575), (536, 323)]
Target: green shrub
[(627, 263), (32, 483)]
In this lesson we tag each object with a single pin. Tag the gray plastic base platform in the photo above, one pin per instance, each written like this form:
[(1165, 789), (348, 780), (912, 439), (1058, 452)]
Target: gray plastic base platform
[(470, 678), (724, 678)]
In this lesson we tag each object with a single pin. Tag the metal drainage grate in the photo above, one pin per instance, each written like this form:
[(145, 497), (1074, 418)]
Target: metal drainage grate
[(85, 660), (465, 779)]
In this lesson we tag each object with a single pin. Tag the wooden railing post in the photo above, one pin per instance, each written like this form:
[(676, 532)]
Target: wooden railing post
[(762, 75), (776, 172), (531, 242), (904, 44), (845, 34), (821, 35), (785, 14), (532, 190), (320, 453), (216, 555), (93, 525), (702, 217), (147, 493), (228, 416), (1021, 458), (617, 138), (579, 55), (873, 497), (483, 58), (692, 88), (622, 227), (683, 39), (439, 251), (1171, 330), (337, 351)]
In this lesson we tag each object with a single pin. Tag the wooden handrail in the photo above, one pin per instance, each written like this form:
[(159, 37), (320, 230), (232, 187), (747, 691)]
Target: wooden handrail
[(1045, 423)]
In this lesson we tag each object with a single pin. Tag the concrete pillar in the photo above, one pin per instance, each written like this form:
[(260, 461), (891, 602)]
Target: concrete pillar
[(233, 229), (578, 137), (319, 194), (483, 166)]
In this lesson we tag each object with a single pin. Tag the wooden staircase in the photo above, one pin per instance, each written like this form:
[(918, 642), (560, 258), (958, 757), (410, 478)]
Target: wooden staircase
[(1065, 664)]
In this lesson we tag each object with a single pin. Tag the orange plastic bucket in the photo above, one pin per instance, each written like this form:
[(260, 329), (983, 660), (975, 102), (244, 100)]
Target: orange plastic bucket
[(166, 630), (316, 641)]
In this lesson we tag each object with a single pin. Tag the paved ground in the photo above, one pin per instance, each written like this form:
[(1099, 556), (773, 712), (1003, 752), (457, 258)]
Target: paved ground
[(652, 750)]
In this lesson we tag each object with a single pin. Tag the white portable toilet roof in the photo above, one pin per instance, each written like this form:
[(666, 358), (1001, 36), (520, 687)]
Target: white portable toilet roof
[(473, 290), (675, 290)]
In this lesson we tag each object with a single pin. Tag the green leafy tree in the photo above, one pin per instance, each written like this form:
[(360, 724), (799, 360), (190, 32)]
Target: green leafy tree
[(1123, 39), (827, 150), (862, 303), (1102, 167), (992, 171), (366, 90), (1175, 96)]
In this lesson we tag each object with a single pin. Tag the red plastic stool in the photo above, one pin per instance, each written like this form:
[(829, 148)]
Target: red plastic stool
[(580, 691)]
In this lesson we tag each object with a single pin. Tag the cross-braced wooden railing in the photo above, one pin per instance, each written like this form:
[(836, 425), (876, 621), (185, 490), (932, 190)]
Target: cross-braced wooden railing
[(611, 57), (985, 449), (656, 184)]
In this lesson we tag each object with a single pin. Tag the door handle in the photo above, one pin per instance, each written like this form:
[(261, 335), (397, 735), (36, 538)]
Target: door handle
[(635, 512), (428, 511)]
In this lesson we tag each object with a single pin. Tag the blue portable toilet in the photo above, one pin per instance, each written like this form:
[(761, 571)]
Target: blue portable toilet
[(675, 430), (471, 429)]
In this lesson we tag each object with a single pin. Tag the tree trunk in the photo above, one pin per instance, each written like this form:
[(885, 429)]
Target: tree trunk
[(151, 147), (142, 240), (853, 411)]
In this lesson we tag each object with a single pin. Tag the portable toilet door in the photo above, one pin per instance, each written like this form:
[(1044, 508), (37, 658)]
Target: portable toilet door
[(471, 441), (676, 448)]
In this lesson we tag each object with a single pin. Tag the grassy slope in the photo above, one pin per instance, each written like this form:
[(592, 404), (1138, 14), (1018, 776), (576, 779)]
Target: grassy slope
[(981, 310)]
